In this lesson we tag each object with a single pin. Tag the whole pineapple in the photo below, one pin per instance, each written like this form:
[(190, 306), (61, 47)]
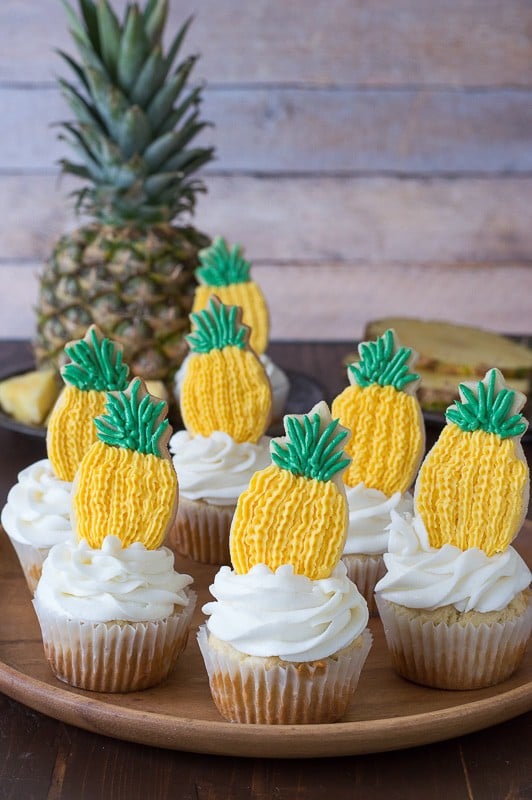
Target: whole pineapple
[(130, 271)]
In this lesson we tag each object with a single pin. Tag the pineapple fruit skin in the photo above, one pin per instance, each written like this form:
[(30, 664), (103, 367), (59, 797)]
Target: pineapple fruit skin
[(29, 397), (136, 284)]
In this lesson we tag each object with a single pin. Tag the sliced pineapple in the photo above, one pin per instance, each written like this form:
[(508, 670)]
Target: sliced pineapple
[(29, 397)]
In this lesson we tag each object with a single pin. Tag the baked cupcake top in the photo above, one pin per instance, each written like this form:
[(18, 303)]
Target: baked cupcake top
[(95, 367), (224, 272), (381, 410)]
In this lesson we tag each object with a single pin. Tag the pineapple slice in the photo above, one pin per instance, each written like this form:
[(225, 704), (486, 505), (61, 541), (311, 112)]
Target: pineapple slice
[(29, 397), (126, 484), (472, 489), (295, 511)]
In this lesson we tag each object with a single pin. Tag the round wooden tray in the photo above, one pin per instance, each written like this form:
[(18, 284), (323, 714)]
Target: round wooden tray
[(387, 712)]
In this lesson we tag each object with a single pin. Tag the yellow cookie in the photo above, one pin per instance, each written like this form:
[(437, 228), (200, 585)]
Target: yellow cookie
[(295, 511)]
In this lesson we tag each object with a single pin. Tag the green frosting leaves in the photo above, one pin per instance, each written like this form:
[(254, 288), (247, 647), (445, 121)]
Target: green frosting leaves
[(221, 266), (134, 420), (310, 451), (96, 364), (489, 409), (217, 326), (383, 363)]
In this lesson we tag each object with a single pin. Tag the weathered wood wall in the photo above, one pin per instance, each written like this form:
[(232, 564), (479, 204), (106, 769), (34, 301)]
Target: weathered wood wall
[(373, 157)]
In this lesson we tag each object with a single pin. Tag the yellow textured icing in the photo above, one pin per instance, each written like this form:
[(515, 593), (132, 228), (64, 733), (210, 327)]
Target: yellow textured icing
[(124, 493), (470, 490), (249, 297), (387, 436), (281, 519), (71, 429), (226, 390)]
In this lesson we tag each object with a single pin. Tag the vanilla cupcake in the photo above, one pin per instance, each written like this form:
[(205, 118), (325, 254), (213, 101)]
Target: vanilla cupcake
[(287, 637), (225, 273), (455, 602), (113, 612), (225, 405), (381, 410)]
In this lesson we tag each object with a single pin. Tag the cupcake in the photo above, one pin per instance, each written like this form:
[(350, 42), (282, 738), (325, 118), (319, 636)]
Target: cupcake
[(381, 410), (286, 637), (225, 273), (225, 405), (114, 614), (455, 601), (37, 513)]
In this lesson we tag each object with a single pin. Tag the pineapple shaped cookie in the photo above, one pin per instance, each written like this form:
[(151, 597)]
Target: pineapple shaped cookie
[(225, 405), (381, 410), (114, 613), (286, 638), (455, 601), (95, 367)]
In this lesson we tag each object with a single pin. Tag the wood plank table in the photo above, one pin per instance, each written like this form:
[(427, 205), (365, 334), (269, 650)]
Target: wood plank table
[(44, 759)]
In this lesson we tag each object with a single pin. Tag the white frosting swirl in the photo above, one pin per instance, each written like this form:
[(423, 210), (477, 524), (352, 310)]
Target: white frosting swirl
[(266, 613), (421, 576), (369, 518), (215, 468), (38, 507), (111, 583)]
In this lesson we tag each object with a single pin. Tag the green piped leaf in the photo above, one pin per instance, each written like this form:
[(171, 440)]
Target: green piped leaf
[(216, 327), (384, 363), (96, 363), (221, 266), (135, 420), (313, 447), (489, 406)]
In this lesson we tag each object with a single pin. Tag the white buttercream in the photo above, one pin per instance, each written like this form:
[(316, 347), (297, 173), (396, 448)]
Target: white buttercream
[(215, 468), (111, 583), (38, 507), (421, 576), (369, 518), (266, 613)]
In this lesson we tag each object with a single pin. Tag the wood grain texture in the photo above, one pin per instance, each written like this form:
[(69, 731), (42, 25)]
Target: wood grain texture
[(272, 130), (385, 42)]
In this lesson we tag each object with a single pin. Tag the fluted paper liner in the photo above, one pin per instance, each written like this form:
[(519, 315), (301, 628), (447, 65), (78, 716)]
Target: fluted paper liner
[(201, 531), (454, 656), (365, 571), (285, 694), (114, 656), (31, 560)]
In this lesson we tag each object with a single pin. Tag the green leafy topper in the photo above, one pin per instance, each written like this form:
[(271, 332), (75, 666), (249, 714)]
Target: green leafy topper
[(489, 409), (96, 364), (310, 451), (217, 326), (221, 266), (384, 363)]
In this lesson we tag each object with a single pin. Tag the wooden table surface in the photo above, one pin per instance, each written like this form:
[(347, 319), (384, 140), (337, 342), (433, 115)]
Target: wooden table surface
[(43, 759)]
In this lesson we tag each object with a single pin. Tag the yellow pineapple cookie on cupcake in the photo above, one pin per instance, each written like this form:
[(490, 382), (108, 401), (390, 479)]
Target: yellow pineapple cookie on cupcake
[(455, 601), (225, 405), (287, 637), (37, 513), (224, 272), (381, 410), (114, 613)]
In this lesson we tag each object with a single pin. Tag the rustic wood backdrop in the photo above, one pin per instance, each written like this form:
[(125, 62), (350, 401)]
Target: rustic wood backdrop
[(373, 157)]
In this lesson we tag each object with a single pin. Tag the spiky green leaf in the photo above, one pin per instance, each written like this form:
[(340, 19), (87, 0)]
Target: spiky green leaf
[(310, 450), (216, 327), (382, 363), (134, 422), (486, 409)]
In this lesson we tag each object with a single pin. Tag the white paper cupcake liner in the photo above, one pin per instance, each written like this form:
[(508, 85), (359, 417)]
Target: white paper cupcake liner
[(454, 656), (245, 690), (31, 560), (201, 531), (114, 656), (365, 572)]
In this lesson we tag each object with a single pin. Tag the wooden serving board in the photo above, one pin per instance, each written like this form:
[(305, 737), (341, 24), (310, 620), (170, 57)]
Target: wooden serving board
[(387, 712)]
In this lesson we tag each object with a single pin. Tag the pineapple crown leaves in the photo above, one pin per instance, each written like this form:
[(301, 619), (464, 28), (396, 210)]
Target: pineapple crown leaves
[(384, 362), (96, 363), (221, 266), (313, 447), (135, 420), (489, 406), (216, 327), (135, 115)]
